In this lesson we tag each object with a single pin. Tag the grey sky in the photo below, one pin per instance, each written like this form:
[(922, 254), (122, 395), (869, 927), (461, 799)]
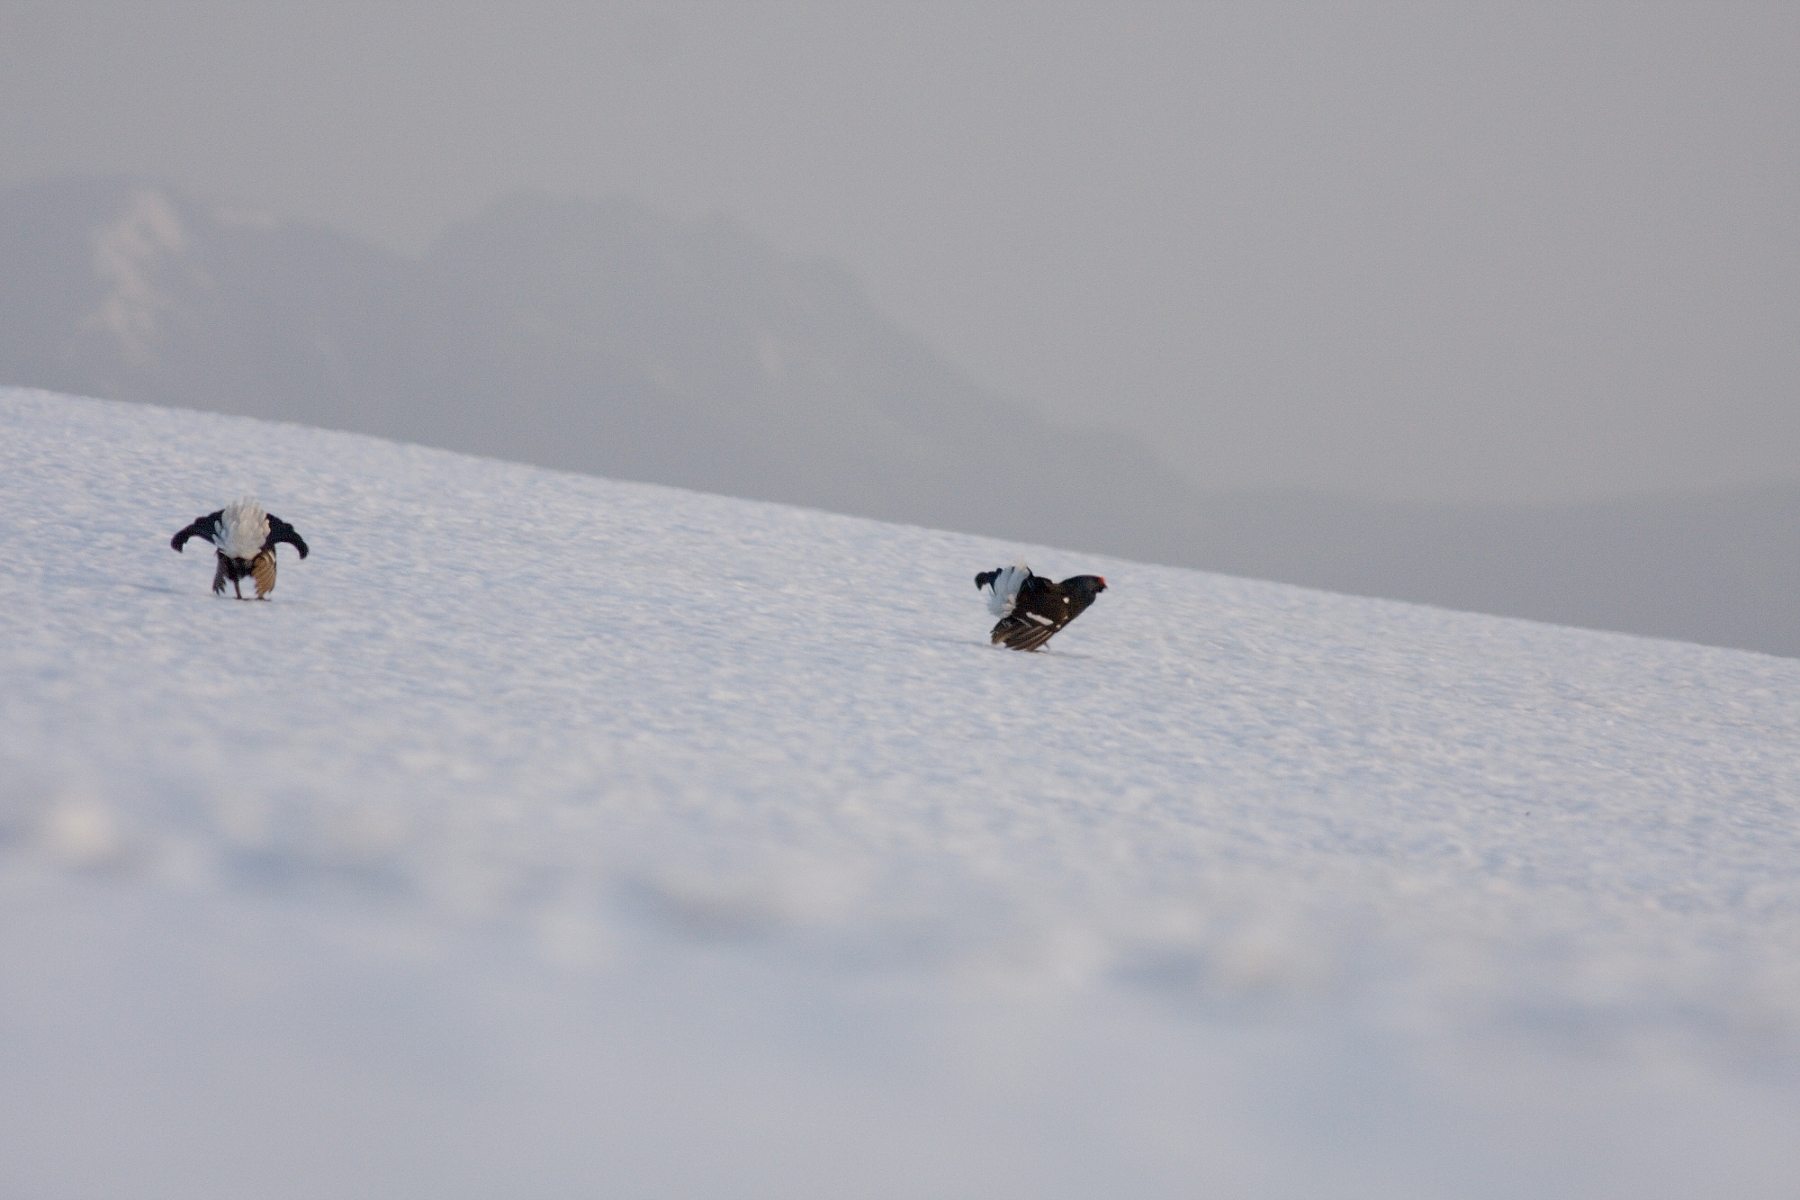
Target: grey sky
[(1486, 252)]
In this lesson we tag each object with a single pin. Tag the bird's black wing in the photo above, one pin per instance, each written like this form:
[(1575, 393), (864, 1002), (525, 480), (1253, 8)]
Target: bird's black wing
[(203, 527), (1024, 631), (1039, 610), (281, 531)]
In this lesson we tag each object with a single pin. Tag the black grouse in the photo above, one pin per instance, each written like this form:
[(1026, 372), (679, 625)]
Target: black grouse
[(245, 537), (1031, 608)]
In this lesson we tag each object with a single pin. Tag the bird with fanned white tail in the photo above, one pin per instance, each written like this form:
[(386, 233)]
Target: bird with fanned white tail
[(1031, 608), (245, 537)]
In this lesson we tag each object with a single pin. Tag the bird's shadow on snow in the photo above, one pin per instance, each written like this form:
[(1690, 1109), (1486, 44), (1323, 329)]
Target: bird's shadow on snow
[(989, 647), (1067, 657), (949, 641), (207, 598)]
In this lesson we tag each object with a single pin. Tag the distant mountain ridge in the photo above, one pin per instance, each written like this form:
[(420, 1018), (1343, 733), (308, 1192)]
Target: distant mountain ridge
[(598, 336), (590, 336)]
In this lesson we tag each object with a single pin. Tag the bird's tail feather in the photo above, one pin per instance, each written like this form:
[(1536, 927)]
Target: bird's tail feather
[(243, 527), (1005, 588)]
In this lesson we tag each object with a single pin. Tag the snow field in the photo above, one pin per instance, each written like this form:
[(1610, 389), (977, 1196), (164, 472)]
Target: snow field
[(643, 842)]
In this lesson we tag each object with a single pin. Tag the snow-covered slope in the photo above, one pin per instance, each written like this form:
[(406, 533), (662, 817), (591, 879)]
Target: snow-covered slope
[(546, 836)]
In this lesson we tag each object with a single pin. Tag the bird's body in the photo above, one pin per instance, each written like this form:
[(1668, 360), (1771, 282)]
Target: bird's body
[(245, 537), (1031, 608)]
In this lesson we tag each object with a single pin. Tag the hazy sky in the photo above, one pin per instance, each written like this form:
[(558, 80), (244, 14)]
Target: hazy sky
[(1490, 252)]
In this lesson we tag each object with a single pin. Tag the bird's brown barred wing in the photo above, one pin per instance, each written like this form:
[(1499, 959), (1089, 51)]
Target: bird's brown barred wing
[(262, 569)]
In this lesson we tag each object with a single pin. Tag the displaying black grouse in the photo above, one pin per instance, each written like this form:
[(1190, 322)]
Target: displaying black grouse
[(245, 537), (1031, 608)]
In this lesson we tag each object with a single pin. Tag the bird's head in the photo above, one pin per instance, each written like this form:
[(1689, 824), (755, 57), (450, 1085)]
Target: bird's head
[(1086, 585)]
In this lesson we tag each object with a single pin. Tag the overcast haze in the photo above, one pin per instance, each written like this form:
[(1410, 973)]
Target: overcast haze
[(1496, 254)]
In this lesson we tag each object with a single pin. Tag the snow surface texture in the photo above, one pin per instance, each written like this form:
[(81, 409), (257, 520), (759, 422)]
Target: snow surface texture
[(551, 836)]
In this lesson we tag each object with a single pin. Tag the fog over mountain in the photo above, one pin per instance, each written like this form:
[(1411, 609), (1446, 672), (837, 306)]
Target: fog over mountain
[(588, 336), (602, 337)]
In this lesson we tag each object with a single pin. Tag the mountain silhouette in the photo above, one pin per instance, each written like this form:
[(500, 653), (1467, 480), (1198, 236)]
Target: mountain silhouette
[(600, 336)]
